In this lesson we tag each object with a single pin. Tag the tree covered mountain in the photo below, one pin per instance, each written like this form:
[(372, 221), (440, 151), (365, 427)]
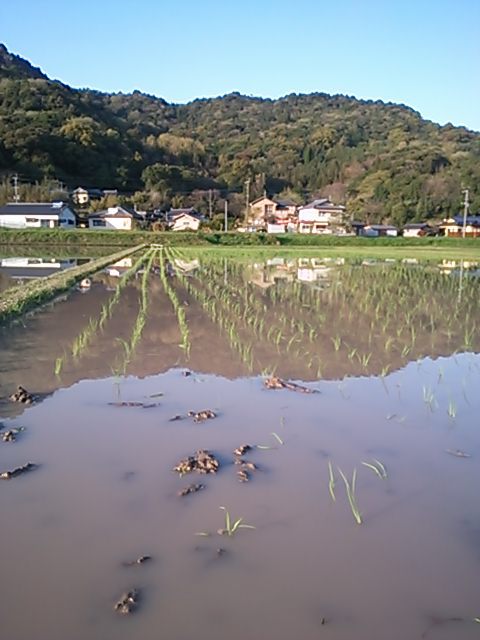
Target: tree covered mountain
[(383, 160)]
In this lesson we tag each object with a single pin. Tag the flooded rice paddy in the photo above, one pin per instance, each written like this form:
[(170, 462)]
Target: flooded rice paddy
[(355, 513)]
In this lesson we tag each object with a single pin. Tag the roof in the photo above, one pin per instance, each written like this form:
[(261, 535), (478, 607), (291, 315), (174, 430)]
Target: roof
[(322, 203), (175, 213), (112, 212), (472, 220), (33, 208), (285, 203), (381, 227)]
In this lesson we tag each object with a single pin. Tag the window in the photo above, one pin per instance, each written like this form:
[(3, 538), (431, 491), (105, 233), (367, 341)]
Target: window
[(31, 220), (99, 223)]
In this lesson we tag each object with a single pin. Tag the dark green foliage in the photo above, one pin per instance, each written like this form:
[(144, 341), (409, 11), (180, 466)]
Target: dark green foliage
[(383, 160)]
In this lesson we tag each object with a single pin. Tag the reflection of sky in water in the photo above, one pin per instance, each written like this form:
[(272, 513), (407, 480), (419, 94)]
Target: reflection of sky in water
[(75, 520)]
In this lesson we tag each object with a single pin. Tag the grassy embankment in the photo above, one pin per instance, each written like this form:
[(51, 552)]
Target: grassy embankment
[(79, 240), (16, 300)]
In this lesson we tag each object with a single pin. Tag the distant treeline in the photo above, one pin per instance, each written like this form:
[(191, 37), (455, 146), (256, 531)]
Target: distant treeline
[(383, 161)]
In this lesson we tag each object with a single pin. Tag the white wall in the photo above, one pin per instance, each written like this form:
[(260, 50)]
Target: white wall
[(111, 223), (34, 221)]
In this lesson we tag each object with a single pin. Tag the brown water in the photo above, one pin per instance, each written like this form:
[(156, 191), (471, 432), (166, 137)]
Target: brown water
[(104, 492)]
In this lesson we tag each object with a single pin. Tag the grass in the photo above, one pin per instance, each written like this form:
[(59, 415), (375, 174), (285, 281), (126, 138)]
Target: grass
[(231, 526), (351, 494), (378, 468), (331, 481)]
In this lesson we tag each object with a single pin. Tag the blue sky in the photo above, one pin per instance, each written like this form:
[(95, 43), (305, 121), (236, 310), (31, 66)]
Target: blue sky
[(423, 53)]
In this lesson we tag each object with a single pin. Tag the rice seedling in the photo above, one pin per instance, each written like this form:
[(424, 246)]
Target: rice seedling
[(59, 362), (231, 526), (277, 438), (452, 410), (429, 397), (331, 481), (378, 468), (351, 491), (337, 342)]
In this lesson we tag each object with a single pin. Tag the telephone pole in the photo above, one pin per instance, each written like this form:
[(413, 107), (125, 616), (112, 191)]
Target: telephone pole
[(247, 198), (16, 196), (210, 204), (225, 228), (466, 205)]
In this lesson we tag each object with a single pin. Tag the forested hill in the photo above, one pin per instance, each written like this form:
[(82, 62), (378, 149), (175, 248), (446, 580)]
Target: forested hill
[(383, 160)]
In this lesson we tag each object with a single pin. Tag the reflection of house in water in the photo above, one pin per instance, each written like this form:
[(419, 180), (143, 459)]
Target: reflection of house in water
[(117, 269), (316, 269), (27, 268), (450, 266), (305, 270), (186, 266)]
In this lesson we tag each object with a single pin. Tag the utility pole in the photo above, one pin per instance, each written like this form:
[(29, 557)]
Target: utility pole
[(225, 228), (16, 196), (247, 198), (210, 204), (466, 205)]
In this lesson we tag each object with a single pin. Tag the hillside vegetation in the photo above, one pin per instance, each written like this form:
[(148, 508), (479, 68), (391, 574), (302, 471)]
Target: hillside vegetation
[(383, 160)]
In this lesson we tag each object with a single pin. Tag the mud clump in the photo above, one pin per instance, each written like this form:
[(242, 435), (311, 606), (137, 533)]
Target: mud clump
[(202, 462), (277, 383), (22, 395), (201, 416), (11, 434), (243, 475), (138, 561), (7, 475), (242, 450), (128, 602), (192, 488)]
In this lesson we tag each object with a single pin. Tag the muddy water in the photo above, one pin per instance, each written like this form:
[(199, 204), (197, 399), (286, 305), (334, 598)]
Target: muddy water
[(105, 494)]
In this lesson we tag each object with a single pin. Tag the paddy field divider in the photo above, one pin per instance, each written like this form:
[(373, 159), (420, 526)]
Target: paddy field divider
[(19, 299)]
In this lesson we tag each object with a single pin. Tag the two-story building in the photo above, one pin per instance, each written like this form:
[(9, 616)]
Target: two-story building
[(321, 216), (279, 215)]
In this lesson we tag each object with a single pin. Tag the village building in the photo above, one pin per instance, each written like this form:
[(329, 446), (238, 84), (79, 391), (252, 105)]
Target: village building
[(183, 219), (321, 216), (417, 230), (114, 218), (31, 215), (272, 214), (83, 196), (453, 227), (379, 230)]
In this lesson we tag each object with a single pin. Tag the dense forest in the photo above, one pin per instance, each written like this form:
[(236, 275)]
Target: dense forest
[(383, 160)]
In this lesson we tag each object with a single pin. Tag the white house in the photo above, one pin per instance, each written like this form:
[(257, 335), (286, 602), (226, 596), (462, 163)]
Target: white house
[(321, 216), (112, 218), (23, 215), (376, 230), (417, 230), (183, 219)]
